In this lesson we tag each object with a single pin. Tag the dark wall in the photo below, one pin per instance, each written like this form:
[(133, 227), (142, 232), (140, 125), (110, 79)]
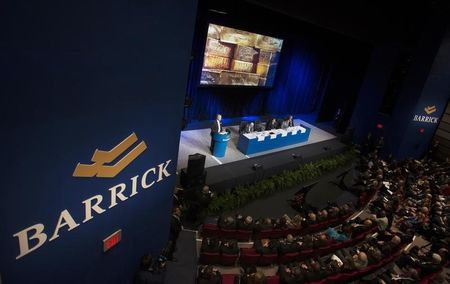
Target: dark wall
[(308, 56), (75, 77), (403, 136)]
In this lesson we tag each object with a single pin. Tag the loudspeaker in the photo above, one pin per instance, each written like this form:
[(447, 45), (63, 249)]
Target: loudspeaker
[(190, 182), (196, 165)]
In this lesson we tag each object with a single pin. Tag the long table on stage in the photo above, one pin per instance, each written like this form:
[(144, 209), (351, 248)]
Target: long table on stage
[(255, 142)]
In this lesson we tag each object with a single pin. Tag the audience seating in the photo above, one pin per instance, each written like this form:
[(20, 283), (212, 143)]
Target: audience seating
[(275, 279), (229, 278), (228, 259), (209, 257), (268, 259), (288, 257), (210, 231), (249, 256)]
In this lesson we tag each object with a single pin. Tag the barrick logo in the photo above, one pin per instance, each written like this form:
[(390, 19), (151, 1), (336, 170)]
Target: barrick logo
[(430, 109), (35, 236), (99, 158), (425, 118)]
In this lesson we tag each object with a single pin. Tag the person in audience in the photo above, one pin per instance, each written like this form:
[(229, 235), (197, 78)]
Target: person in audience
[(381, 220), (358, 228), (210, 245), (151, 272), (430, 265), (322, 240), (208, 275), (387, 247), (264, 224), (246, 224), (322, 216), (311, 219), (266, 246), (336, 235), (247, 273), (227, 222), (291, 274), (314, 272), (257, 278), (229, 247), (288, 245)]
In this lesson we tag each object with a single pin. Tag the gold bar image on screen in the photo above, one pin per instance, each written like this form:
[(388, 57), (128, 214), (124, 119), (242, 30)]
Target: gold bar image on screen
[(214, 31), (215, 47), (262, 81), (262, 69), (237, 37), (210, 77), (268, 43), (264, 57), (237, 78), (245, 53), (216, 62), (242, 66)]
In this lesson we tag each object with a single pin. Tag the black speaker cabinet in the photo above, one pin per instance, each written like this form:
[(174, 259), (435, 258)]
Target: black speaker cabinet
[(196, 165)]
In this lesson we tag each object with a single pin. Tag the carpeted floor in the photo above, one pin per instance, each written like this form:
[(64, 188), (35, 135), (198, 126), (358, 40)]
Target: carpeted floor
[(185, 268)]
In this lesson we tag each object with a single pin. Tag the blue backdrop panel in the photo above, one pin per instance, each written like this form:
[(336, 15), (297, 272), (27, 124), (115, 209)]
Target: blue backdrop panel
[(77, 76)]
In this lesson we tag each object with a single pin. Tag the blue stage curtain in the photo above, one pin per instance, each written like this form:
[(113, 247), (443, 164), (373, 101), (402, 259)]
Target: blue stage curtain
[(300, 82)]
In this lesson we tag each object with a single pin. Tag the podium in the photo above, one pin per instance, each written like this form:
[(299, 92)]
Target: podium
[(220, 143)]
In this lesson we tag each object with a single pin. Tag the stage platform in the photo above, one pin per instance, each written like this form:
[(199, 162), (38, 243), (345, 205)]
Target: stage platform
[(236, 168), (198, 141)]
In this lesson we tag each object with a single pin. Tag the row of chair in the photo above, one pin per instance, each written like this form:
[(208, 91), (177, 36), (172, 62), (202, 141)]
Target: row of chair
[(342, 277), (233, 278), (249, 256), (214, 231)]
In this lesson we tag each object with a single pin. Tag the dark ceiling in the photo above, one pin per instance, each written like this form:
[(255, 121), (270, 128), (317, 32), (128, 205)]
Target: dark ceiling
[(367, 20)]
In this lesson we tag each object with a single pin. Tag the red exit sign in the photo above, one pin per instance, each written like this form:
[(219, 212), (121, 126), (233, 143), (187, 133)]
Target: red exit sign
[(112, 240)]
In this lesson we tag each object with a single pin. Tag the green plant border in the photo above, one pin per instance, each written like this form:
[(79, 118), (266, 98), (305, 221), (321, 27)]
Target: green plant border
[(244, 194)]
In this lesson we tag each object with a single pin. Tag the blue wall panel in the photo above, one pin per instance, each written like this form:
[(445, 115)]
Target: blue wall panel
[(77, 76)]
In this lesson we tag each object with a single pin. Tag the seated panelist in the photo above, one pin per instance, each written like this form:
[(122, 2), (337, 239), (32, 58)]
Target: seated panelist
[(272, 124), (288, 122), (249, 128)]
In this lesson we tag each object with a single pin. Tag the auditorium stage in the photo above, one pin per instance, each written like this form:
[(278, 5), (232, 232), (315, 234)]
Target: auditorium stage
[(198, 141), (236, 168)]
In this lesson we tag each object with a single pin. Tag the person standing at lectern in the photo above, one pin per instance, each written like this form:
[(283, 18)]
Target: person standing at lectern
[(216, 127)]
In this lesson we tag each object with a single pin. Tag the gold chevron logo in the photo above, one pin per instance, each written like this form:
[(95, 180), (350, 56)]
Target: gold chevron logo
[(100, 158), (430, 109)]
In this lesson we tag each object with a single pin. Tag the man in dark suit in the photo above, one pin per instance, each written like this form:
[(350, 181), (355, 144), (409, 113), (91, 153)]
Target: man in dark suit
[(175, 229), (290, 121), (249, 128), (216, 127), (272, 124)]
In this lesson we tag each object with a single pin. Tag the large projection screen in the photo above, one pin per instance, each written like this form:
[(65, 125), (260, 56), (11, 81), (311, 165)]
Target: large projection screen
[(239, 58)]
